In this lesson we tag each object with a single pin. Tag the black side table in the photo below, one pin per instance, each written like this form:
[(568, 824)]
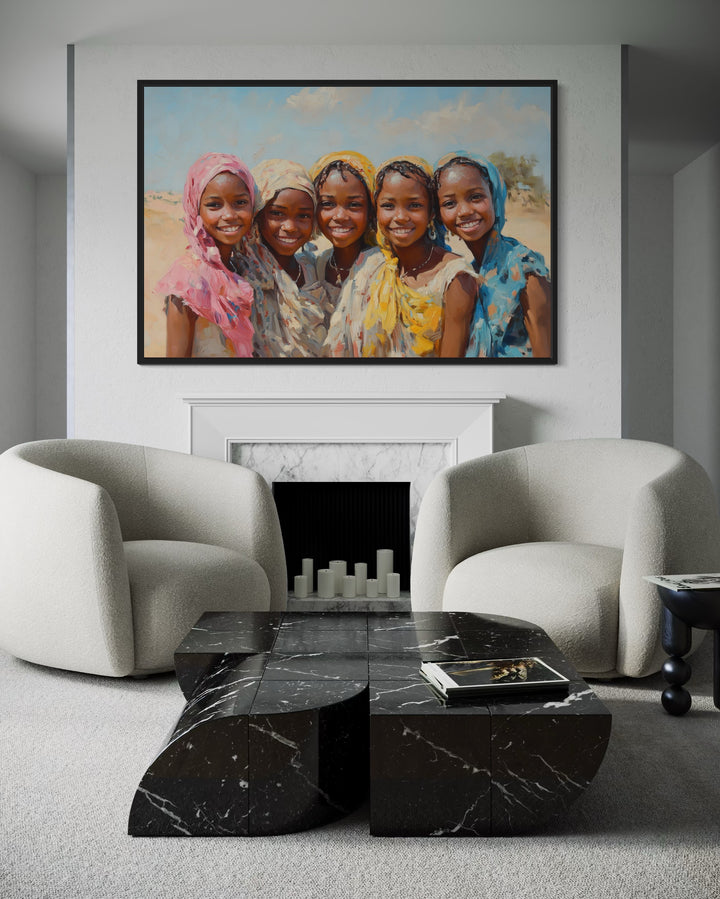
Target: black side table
[(682, 611)]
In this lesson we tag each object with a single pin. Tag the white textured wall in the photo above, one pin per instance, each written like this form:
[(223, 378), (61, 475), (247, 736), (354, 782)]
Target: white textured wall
[(697, 311), (50, 310), (648, 311), (17, 304), (581, 396)]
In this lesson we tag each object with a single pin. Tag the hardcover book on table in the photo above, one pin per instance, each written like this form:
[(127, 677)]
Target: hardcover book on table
[(492, 677), (685, 581)]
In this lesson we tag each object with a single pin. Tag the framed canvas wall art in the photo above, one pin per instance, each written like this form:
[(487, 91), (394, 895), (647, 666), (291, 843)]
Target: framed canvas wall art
[(347, 222)]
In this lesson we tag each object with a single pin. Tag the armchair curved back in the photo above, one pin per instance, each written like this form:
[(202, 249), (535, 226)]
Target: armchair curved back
[(118, 468), (580, 491), (583, 491), (166, 495)]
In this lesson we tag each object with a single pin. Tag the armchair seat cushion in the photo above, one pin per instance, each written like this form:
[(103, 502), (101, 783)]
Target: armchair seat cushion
[(570, 589), (172, 582)]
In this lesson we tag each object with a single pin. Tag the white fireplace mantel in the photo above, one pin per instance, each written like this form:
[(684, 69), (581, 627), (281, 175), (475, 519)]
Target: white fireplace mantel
[(361, 437), (464, 421)]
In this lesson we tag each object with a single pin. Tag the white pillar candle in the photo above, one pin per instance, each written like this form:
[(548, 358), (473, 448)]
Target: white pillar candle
[(307, 570), (371, 590), (301, 587), (339, 567), (349, 586), (326, 583), (384, 567), (360, 577), (393, 585)]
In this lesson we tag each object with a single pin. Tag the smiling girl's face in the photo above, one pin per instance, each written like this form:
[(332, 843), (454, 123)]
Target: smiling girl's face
[(343, 209), (404, 209), (286, 222), (226, 210), (466, 206)]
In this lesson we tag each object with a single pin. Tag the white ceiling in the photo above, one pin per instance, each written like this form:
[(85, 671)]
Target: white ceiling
[(673, 76)]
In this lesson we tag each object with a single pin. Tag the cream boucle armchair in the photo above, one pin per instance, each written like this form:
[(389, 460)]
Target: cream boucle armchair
[(110, 552), (561, 534)]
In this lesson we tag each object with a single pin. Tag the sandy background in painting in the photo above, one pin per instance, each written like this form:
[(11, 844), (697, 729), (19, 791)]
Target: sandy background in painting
[(164, 241)]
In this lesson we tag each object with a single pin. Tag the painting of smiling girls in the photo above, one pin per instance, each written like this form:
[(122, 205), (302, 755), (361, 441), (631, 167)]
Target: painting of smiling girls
[(347, 222)]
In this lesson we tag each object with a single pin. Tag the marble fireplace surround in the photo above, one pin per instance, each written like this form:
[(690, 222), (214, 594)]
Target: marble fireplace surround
[(358, 437)]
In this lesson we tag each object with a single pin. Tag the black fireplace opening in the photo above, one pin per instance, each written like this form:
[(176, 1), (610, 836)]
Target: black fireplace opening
[(349, 520)]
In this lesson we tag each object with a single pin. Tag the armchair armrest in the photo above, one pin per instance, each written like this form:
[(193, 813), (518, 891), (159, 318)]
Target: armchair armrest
[(64, 572), (467, 509), (208, 501)]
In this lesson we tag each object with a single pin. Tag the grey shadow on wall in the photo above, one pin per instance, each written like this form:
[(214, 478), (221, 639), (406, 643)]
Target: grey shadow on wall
[(517, 423)]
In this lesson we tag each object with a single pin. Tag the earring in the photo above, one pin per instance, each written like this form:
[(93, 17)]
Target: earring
[(432, 231)]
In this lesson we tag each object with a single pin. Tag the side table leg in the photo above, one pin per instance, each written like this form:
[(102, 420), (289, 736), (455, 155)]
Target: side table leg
[(716, 668), (676, 641)]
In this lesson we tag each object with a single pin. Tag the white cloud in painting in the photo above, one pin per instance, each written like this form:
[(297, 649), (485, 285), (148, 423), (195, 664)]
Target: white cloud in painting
[(462, 123), (316, 102)]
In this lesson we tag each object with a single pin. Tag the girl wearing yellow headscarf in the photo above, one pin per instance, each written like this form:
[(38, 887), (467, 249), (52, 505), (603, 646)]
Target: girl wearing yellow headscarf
[(345, 183), (422, 299), (291, 305)]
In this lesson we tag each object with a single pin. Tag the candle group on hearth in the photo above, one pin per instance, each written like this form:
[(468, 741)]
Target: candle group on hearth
[(335, 581)]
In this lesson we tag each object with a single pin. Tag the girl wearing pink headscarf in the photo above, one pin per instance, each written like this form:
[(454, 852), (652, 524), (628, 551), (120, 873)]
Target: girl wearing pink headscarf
[(208, 303)]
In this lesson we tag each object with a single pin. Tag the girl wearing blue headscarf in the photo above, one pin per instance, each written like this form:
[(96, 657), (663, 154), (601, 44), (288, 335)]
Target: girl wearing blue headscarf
[(513, 315)]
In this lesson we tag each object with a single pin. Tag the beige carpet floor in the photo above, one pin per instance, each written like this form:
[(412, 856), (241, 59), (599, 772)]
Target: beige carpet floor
[(73, 749)]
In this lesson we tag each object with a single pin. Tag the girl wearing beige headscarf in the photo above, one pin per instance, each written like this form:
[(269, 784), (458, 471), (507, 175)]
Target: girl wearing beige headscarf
[(291, 305)]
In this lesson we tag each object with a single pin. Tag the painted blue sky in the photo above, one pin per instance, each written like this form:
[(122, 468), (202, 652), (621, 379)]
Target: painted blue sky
[(260, 122)]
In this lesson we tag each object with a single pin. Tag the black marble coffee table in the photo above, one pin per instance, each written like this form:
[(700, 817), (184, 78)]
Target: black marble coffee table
[(284, 710)]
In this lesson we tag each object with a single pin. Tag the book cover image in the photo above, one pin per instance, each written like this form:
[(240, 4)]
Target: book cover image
[(488, 677)]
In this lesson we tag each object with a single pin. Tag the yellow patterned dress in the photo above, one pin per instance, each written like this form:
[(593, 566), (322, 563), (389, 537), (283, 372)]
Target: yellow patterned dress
[(407, 321)]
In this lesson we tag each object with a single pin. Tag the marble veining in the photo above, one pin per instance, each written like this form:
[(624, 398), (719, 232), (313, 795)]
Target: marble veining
[(324, 667), (569, 699), (389, 668), (416, 462), (163, 805), (440, 751), (284, 711), (399, 696), (274, 697), (319, 621), (297, 641), (467, 825)]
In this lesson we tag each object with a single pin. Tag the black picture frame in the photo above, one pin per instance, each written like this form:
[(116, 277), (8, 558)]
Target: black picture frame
[(515, 123)]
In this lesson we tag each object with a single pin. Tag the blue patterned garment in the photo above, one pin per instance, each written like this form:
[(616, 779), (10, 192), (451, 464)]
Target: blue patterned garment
[(498, 327)]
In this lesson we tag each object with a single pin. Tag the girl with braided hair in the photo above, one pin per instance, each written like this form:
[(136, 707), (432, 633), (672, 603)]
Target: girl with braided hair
[(345, 183), (422, 299)]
